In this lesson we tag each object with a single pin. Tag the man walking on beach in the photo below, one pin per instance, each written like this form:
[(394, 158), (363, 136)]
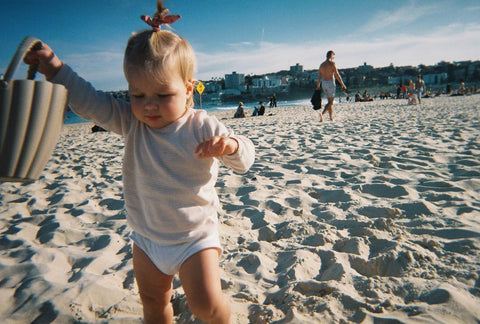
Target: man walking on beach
[(327, 73), (420, 86)]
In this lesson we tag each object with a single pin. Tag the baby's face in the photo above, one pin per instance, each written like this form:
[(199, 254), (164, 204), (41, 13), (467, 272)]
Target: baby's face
[(158, 105)]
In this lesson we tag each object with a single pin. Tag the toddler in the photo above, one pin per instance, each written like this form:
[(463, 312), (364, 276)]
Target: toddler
[(170, 167)]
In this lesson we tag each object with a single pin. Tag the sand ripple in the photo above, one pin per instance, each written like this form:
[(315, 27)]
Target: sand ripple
[(374, 218)]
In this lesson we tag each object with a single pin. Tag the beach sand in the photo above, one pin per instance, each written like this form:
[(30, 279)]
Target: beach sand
[(372, 218)]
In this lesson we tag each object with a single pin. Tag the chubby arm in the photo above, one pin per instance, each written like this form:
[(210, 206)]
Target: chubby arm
[(48, 63), (217, 146), (236, 152), (83, 98)]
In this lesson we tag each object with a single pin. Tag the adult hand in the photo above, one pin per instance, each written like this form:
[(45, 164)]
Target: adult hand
[(48, 63), (217, 146)]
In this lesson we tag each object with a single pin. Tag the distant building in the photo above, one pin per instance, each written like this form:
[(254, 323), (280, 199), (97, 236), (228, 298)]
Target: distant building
[(234, 81), (365, 68), (436, 78), (212, 87), (296, 69), (401, 79), (266, 82)]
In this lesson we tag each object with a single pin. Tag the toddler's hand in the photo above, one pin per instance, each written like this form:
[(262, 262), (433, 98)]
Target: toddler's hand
[(217, 146), (48, 63)]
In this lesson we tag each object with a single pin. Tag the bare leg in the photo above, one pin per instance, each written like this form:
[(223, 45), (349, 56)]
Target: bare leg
[(323, 112), (155, 289), (200, 277), (329, 107)]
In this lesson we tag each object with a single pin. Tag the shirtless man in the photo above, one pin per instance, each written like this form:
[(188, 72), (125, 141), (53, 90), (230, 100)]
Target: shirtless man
[(327, 73), (420, 86)]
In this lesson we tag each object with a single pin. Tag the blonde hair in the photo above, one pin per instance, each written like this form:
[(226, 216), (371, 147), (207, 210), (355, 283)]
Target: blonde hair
[(155, 54)]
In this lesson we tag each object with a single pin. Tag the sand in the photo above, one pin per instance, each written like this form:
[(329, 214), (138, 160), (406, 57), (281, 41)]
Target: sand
[(372, 218)]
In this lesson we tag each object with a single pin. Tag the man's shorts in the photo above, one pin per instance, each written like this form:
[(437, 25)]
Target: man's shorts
[(419, 92), (168, 258), (329, 88)]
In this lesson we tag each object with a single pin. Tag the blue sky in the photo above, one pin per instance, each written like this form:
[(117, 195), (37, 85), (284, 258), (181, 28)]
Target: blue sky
[(249, 36)]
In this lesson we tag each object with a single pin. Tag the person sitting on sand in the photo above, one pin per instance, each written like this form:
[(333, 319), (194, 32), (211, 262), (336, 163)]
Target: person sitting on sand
[(240, 113), (366, 96), (171, 162), (358, 97), (259, 111)]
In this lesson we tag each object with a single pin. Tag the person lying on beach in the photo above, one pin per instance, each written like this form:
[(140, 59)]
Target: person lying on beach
[(171, 163)]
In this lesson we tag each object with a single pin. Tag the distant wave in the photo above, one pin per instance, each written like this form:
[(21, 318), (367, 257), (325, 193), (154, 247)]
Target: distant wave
[(72, 118)]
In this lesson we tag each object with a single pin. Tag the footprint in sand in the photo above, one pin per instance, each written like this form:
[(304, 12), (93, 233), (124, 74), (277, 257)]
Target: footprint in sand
[(112, 204), (382, 190), (47, 230)]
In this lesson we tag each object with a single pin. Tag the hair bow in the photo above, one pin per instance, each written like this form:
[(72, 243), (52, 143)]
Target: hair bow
[(159, 19)]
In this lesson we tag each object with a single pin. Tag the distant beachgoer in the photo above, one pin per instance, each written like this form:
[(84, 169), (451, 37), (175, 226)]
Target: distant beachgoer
[(448, 88), (411, 93), (96, 129), (260, 111), (366, 96), (404, 91), (273, 101), (358, 97), (327, 73), (171, 161), (240, 113), (420, 86)]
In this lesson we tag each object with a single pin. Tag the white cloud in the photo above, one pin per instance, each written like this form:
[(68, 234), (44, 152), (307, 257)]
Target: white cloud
[(103, 69), (453, 42), (401, 16), (265, 58), (474, 8), (449, 43)]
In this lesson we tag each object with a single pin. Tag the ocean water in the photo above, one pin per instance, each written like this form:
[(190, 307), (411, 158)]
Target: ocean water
[(72, 118)]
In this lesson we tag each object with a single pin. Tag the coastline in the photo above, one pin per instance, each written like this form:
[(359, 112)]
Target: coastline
[(72, 118), (372, 217)]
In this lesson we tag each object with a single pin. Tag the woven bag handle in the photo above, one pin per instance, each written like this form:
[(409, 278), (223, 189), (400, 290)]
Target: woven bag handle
[(27, 43)]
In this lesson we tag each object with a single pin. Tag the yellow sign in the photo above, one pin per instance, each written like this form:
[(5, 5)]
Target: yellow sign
[(200, 87)]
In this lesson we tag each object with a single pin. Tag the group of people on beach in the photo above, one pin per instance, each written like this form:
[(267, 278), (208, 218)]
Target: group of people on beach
[(257, 111), (414, 92), (366, 97), (327, 74), (463, 90)]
